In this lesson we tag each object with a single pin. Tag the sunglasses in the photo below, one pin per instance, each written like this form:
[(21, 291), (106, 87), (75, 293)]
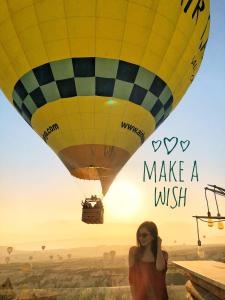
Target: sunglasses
[(142, 235)]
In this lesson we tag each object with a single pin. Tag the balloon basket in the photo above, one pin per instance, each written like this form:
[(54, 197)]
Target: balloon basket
[(93, 214)]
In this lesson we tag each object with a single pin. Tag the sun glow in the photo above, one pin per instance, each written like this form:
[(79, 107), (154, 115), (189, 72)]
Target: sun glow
[(122, 200)]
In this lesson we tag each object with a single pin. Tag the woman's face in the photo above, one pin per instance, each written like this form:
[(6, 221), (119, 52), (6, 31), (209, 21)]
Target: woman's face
[(144, 236)]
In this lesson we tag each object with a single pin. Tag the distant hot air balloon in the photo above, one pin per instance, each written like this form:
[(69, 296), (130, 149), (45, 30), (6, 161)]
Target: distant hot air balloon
[(69, 256), (112, 254), (7, 259), (43, 247), (30, 257), (51, 257), (10, 250), (95, 78)]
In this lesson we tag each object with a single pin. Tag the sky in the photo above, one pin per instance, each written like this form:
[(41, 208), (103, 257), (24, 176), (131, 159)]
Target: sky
[(40, 201)]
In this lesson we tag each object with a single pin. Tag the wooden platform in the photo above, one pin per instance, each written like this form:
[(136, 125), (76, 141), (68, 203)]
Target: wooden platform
[(206, 274)]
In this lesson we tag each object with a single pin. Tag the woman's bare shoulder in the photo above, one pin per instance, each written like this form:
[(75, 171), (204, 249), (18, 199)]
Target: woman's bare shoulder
[(133, 250)]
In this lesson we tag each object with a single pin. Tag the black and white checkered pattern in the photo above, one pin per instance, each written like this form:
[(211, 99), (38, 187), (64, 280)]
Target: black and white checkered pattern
[(92, 77)]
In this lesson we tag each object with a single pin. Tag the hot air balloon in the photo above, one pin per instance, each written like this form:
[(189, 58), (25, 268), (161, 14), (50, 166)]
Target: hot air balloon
[(43, 247), (95, 78), (10, 250), (112, 254), (7, 259)]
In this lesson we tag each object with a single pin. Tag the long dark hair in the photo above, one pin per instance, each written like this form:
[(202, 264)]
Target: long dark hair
[(153, 230)]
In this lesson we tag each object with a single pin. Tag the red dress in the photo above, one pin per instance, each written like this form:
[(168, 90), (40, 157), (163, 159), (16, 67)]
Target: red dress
[(143, 275)]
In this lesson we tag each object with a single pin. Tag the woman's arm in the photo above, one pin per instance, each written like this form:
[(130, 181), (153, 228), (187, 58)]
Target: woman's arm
[(131, 270), (160, 259)]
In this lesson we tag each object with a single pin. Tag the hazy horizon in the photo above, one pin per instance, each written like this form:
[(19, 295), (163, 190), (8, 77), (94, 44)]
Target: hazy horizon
[(68, 238)]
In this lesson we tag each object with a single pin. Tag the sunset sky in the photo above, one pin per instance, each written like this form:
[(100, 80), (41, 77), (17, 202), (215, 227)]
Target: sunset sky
[(40, 201)]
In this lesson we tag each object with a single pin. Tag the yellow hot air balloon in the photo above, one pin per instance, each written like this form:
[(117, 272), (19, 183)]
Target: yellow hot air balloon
[(95, 78)]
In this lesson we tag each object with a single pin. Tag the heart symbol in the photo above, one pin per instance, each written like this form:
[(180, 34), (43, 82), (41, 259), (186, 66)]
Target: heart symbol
[(170, 144), (184, 145), (156, 145)]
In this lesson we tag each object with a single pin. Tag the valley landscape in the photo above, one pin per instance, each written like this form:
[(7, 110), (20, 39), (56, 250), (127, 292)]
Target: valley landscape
[(61, 275)]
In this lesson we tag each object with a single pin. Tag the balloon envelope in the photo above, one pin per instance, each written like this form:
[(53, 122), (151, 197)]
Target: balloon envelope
[(95, 78)]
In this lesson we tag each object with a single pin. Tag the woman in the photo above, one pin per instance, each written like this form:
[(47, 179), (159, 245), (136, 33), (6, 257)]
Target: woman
[(148, 265)]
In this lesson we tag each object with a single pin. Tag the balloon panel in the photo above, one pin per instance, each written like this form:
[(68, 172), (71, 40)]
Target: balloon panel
[(79, 77), (77, 69), (98, 134)]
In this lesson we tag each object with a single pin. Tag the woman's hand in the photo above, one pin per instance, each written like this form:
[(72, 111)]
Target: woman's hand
[(159, 241), (160, 260)]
